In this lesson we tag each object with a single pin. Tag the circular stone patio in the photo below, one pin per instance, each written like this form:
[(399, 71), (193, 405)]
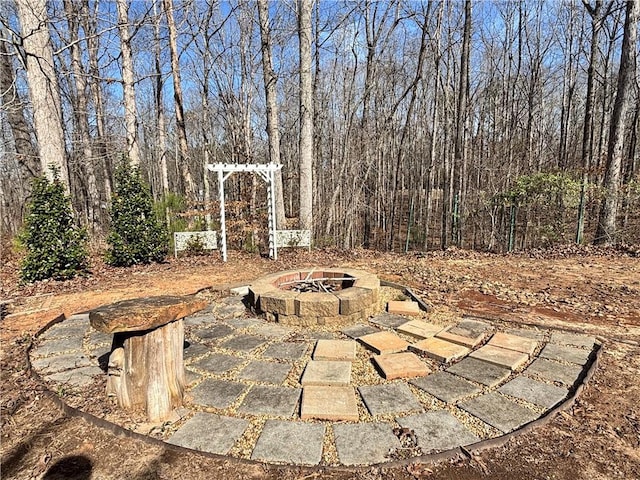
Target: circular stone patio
[(387, 388)]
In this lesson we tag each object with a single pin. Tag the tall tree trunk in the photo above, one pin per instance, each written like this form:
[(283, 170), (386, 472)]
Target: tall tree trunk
[(94, 216), (90, 28), (306, 115), (461, 127), (161, 127), (43, 87), (129, 94), (607, 224), (26, 154), (586, 155), (183, 160), (273, 129)]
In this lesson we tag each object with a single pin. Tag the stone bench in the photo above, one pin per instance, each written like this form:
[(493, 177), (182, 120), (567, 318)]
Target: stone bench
[(146, 367)]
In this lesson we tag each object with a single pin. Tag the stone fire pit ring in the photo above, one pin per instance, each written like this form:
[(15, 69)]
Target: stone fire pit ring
[(355, 299)]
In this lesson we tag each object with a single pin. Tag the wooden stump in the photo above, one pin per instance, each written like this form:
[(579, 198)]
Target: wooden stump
[(146, 367)]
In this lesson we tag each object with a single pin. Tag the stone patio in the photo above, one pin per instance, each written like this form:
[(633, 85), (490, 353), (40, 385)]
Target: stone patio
[(288, 390)]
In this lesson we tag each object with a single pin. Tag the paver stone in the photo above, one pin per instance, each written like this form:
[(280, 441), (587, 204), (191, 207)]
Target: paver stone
[(401, 365), (389, 398), (388, 320), (499, 412), (513, 342), (218, 363), (325, 372), (266, 372), (500, 357), (335, 350), (290, 442), (439, 349), (420, 329), (573, 339), (217, 393), (329, 403), (364, 443), (438, 431), (445, 386), (565, 354), (403, 308), (554, 371), (275, 401), (359, 330), (480, 372), (243, 343), (208, 432), (286, 350), (532, 391), (384, 342)]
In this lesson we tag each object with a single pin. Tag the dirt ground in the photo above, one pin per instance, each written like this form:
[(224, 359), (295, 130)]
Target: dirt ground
[(595, 291)]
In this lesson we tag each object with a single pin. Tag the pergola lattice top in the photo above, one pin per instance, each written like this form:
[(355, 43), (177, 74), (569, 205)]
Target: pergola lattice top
[(266, 171)]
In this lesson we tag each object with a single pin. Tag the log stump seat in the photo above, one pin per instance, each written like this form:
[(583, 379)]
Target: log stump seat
[(146, 367)]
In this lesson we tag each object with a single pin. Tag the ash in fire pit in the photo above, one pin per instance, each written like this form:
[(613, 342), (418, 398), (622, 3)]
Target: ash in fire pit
[(316, 297), (325, 284)]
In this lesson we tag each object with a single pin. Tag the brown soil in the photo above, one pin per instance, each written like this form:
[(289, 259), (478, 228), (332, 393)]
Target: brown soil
[(592, 291)]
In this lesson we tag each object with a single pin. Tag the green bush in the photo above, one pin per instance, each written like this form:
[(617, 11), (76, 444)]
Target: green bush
[(136, 235), (55, 246)]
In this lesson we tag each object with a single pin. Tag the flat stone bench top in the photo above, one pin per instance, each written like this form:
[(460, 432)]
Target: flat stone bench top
[(143, 313)]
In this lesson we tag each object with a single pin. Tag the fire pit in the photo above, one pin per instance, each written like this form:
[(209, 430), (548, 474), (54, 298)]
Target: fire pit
[(321, 296)]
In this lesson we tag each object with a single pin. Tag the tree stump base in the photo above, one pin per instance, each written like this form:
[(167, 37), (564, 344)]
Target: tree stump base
[(146, 366)]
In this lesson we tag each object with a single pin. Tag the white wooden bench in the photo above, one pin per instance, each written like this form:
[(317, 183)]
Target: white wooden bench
[(293, 238), (181, 240)]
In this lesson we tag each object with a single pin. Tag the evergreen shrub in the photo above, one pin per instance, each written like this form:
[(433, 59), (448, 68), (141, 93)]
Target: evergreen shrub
[(55, 245), (136, 235)]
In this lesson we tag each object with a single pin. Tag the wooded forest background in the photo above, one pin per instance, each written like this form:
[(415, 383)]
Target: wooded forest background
[(400, 124)]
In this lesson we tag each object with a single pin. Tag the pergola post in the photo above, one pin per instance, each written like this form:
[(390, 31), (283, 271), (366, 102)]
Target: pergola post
[(267, 173)]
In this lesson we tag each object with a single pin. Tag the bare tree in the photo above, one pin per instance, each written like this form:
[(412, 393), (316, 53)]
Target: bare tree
[(306, 115), (183, 159), (607, 223), (270, 80), (43, 86), (128, 80)]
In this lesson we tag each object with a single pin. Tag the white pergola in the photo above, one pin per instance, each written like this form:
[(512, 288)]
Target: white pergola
[(266, 171)]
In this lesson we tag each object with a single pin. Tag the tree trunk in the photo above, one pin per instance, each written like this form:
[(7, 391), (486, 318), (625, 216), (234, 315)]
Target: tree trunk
[(94, 216), (43, 86), (306, 115), (129, 94), (606, 232), (12, 105), (273, 129), (183, 148)]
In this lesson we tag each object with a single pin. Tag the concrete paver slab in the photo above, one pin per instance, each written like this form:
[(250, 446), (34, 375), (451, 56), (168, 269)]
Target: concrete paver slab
[(244, 343), (513, 342), (241, 323), (335, 350), (389, 398), (565, 354), (286, 350), (274, 401), (266, 372), (470, 328), (76, 377), (193, 350), (290, 442), (218, 363), (58, 363), (57, 346), (499, 412), (271, 330), (531, 333), (420, 329), (359, 330), (439, 349), (217, 393), (211, 433), (535, 392), (500, 357), (325, 372), (388, 320), (403, 308), (215, 332), (554, 371), (364, 443), (329, 403), (445, 386), (573, 339), (480, 372), (67, 328), (469, 342), (95, 339), (401, 365), (438, 431), (384, 342)]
